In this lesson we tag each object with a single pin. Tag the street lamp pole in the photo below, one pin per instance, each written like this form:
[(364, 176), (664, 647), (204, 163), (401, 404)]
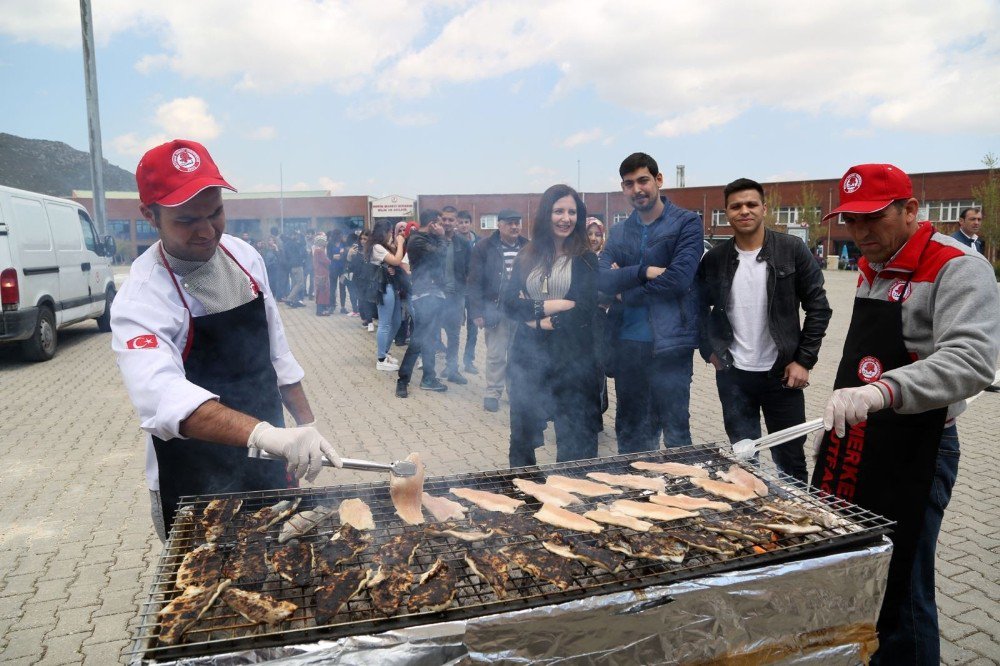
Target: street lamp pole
[(93, 116)]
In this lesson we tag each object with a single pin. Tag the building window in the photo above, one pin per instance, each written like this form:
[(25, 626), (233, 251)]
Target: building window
[(144, 230), (239, 227), (487, 221), (947, 211), (787, 215), (293, 224), (120, 229), (719, 218)]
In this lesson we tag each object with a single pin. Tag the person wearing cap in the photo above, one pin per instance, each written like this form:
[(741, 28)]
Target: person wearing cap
[(969, 222), (924, 336), (202, 350), (489, 270)]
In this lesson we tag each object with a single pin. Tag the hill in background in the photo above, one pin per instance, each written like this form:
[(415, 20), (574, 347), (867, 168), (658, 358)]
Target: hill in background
[(53, 167)]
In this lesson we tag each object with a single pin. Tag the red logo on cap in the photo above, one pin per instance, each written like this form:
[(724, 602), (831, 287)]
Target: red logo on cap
[(899, 290), (143, 342), (852, 183), (186, 160), (870, 369)]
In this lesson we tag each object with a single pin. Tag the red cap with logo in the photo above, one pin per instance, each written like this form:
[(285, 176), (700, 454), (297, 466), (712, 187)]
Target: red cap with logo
[(867, 188), (173, 172)]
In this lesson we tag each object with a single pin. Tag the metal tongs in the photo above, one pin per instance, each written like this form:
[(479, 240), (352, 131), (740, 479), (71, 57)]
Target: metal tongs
[(401, 468), (748, 448)]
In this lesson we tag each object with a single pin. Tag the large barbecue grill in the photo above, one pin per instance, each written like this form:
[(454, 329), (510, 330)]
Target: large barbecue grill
[(222, 630)]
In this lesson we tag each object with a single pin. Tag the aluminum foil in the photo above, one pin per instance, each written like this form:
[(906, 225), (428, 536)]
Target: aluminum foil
[(816, 611)]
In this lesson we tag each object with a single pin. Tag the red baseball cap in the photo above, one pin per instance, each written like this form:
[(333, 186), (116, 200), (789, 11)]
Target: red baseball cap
[(173, 172), (867, 188)]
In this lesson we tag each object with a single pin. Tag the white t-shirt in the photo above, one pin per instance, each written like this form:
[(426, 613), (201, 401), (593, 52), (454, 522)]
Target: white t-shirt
[(753, 349), (379, 253)]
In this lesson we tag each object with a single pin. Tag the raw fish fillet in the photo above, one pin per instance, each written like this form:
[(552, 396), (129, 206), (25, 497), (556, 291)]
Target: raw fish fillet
[(406, 492), (619, 519), (687, 502), (546, 494), (356, 513), (559, 517), (442, 508), (636, 481), (487, 500), (651, 511), (673, 469), (741, 477), (580, 486), (730, 491)]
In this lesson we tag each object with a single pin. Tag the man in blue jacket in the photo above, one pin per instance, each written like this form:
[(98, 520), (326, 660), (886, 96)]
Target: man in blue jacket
[(649, 263), (969, 223)]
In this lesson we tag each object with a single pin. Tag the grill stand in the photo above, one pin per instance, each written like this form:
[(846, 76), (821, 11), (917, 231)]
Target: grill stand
[(820, 610)]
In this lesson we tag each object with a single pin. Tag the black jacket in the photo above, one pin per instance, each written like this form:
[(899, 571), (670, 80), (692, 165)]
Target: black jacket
[(793, 280), (426, 254), (462, 253), (487, 277)]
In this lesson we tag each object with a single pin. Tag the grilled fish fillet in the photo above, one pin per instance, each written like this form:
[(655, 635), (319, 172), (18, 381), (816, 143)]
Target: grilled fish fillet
[(487, 500), (546, 494), (542, 564), (691, 503), (442, 508), (673, 469), (491, 569), (785, 525), (399, 550), (580, 486), (260, 521), (388, 587), (184, 523), (651, 511), (247, 561), (344, 545), (515, 525), (436, 588), (462, 533), (200, 567), (217, 515), (575, 548), (706, 541), (619, 519), (406, 492), (304, 522), (730, 491), (559, 517), (659, 546), (741, 528), (293, 562), (636, 481), (182, 612), (741, 477), (802, 513), (356, 513), (343, 586), (258, 607)]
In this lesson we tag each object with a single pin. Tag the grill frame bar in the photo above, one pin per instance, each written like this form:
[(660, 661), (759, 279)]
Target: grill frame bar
[(862, 527)]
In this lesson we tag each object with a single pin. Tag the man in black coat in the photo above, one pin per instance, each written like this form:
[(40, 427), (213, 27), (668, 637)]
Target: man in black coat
[(969, 223), (751, 289), (456, 271)]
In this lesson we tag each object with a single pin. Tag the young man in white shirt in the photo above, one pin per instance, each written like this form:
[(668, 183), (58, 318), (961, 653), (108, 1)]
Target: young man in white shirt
[(751, 289)]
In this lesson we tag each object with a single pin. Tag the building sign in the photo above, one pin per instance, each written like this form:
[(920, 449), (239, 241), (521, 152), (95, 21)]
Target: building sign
[(392, 206)]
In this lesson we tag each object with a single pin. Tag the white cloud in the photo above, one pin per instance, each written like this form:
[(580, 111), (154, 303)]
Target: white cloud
[(582, 137), (334, 186), (184, 117), (694, 122), (263, 133)]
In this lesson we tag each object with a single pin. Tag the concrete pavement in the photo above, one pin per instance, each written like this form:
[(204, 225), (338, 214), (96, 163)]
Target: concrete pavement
[(76, 545)]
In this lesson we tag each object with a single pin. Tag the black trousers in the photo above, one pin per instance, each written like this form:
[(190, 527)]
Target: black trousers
[(654, 393), (745, 395)]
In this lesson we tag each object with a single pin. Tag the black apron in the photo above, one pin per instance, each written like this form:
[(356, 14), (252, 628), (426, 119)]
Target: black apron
[(229, 354), (885, 464)]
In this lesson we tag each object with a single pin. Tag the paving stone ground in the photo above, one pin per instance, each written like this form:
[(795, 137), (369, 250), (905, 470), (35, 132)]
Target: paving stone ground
[(77, 548)]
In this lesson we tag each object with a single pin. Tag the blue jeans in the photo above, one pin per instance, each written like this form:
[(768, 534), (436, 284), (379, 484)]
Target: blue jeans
[(744, 395), (916, 639), (654, 393), (389, 316), (426, 313)]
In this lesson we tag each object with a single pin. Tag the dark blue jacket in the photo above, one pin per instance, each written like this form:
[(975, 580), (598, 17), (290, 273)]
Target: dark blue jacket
[(977, 245), (675, 241)]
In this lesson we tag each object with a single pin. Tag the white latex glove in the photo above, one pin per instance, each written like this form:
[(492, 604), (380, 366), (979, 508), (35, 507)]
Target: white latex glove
[(848, 406), (817, 443), (302, 447)]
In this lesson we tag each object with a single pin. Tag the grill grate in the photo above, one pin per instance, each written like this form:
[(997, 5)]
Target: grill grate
[(222, 630)]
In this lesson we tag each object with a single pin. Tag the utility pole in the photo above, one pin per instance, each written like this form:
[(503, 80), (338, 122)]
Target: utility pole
[(93, 116)]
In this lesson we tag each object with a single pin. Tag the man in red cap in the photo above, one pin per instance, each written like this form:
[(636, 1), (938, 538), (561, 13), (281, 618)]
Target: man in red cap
[(201, 347), (924, 336)]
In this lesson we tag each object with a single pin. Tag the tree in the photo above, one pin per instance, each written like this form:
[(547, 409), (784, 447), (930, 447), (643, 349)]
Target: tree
[(772, 199), (809, 213), (988, 195)]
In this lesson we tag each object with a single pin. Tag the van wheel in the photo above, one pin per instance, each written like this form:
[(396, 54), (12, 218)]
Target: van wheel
[(41, 346), (104, 321)]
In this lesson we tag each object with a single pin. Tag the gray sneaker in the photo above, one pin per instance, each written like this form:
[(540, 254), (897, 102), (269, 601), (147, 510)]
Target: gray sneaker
[(433, 385), (491, 404)]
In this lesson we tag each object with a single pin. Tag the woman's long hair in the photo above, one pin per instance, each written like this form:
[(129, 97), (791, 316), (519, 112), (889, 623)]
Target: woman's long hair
[(377, 236), (541, 251)]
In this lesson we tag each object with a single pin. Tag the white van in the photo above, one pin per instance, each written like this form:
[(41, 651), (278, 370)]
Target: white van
[(54, 271)]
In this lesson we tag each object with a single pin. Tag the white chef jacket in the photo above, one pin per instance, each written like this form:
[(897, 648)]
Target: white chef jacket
[(149, 305)]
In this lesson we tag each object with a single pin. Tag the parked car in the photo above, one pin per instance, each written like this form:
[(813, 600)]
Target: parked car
[(54, 271)]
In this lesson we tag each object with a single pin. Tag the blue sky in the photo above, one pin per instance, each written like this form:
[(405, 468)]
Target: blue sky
[(447, 96)]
